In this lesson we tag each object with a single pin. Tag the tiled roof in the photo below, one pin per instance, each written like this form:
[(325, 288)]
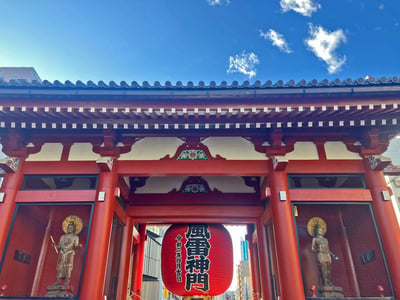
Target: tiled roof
[(369, 81)]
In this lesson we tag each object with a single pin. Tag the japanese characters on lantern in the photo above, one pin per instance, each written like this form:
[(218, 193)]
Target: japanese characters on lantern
[(202, 259)]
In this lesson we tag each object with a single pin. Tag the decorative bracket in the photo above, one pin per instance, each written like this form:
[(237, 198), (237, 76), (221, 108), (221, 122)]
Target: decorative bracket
[(105, 163), (379, 162), (111, 145), (9, 164), (192, 149), (274, 145), (372, 143)]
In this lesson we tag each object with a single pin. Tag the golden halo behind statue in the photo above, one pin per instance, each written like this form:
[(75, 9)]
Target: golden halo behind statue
[(312, 224), (75, 220)]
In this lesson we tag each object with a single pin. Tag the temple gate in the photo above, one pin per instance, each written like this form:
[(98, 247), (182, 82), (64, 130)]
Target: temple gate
[(88, 166)]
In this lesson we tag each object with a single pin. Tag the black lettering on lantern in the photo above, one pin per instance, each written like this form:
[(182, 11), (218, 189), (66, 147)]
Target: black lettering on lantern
[(178, 258), (197, 262)]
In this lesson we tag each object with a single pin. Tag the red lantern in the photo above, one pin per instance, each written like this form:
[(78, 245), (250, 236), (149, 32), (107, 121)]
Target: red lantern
[(197, 259)]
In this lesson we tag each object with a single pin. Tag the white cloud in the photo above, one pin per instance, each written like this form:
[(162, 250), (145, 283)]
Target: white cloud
[(324, 43), (277, 40), (244, 63), (303, 7), (381, 6), (218, 2)]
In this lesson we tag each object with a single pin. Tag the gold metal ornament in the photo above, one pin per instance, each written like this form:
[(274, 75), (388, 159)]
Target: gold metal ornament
[(77, 221), (312, 224)]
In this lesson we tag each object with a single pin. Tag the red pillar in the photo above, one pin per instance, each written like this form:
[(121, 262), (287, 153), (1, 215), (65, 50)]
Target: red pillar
[(11, 184), (96, 258), (253, 262), (290, 277), (265, 278), (125, 263), (138, 259), (387, 223)]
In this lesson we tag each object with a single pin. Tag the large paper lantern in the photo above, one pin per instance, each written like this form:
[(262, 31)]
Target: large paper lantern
[(197, 259)]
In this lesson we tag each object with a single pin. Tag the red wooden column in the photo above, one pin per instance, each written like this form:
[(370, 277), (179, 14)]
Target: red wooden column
[(387, 222), (96, 258), (125, 263), (253, 262), (291, 283), (137, 276), (11, 184), (265, 278)]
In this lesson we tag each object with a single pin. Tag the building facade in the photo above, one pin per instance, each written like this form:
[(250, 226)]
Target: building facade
[(89, 166)]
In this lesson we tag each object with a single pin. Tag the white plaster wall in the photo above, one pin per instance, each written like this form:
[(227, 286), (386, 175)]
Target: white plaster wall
[(303, 151), (234, 148), (48, 152), (82, 151), (160, 185), (153, 148), (393, 151), (338, 150), (228, 184)]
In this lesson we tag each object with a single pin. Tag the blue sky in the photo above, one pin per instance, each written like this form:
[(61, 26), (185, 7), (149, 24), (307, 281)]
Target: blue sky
[(201, 40)]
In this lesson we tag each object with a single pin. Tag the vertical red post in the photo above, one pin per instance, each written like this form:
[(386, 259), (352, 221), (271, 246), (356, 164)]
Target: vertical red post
[(11, 184), (138, 259), (125, 263), (291, 283), (265, 280), (96, 259), (253, 262), (387, 223)]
